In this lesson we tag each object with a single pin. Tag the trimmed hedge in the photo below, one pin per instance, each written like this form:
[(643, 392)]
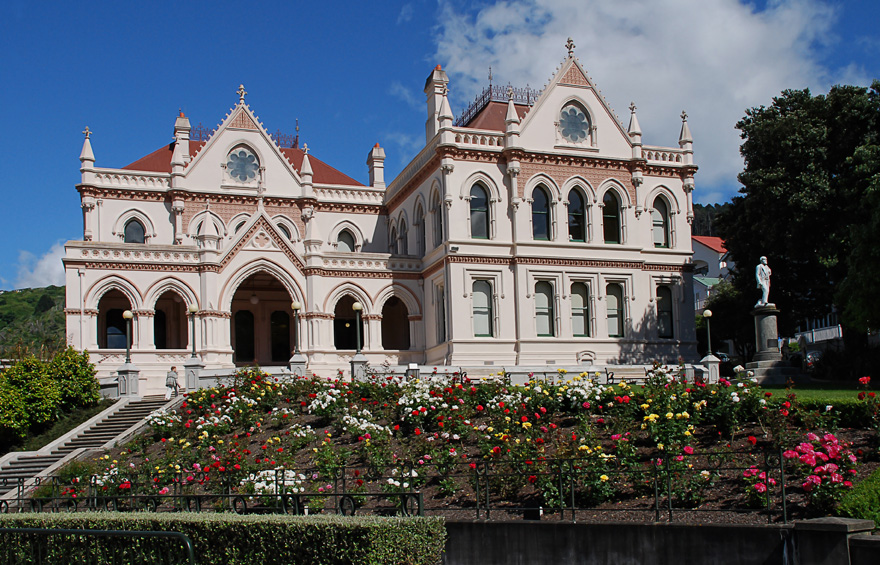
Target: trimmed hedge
[(250, 539), (863, 501)]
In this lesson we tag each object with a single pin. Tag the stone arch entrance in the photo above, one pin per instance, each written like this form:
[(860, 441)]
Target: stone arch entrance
[(169, 322), (111, 324), (261, 315), (344, 329), (395, 324)]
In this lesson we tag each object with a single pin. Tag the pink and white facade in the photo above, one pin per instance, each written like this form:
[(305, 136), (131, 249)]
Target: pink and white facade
[(538, 231)]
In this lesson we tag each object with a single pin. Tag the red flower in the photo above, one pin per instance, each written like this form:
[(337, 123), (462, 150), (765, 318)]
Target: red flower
[(473, 465), (753, 440), (862, 396), (418, 431), (524, 419), (480, 407), (865, 380), (533, 479)]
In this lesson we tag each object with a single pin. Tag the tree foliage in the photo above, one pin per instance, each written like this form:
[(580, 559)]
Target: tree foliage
[(809, 203)]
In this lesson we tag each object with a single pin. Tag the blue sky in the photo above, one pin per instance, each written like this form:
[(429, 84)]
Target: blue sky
[(353, 73)]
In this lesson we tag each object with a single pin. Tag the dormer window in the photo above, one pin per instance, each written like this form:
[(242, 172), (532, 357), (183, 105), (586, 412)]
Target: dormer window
[(574, 125), (242, 164)]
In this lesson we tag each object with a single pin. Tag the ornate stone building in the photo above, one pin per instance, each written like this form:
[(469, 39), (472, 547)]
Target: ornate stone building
[(534, 230)]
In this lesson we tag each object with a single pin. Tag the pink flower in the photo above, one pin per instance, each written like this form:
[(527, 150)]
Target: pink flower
[(812, 437), (808, 459), (865, 380), (789, 454), (687, 449), (164, 490), (760, 487)]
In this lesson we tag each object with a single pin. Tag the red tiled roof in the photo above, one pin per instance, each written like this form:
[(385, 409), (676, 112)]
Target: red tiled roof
[(492, 116), (159, 161), (714, 243)]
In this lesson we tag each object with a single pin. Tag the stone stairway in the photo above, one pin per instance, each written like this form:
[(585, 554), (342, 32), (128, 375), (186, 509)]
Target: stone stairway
[(117, 422)]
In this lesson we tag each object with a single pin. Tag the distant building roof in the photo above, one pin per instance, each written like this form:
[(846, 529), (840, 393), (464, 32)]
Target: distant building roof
[(714, 243), (708, 282), (159, 161)]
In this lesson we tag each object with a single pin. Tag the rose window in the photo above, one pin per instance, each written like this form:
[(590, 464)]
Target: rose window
[(573, 124), (242, 165)]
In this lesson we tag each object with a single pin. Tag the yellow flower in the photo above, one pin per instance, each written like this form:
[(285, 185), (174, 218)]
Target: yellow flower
[(687, 433), (660, 446), (669, 415), (644, 406), (603, 478)]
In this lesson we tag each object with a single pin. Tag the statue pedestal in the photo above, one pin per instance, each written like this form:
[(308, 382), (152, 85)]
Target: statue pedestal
[(128, 377), (297, 364), (767, 364), (359, 367), (192, 369)]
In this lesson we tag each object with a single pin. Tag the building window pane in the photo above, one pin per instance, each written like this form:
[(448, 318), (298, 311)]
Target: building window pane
[(577, 225), (441, 315), (134, 232), (544, 309), (479, 213), (660, 221), (482, 291), (664, 312), (437, 220), (611, 218), (345, 241), (580, 310), (540, 214), (402, 247), (420, 233), (614, 302)]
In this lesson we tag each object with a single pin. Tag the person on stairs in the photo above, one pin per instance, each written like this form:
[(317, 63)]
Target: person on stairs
[(171, 385)]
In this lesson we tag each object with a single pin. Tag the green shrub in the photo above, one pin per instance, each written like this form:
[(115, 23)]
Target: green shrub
[(252, 539), (863, 501), (40, 393), (13, 415), (75, 377)]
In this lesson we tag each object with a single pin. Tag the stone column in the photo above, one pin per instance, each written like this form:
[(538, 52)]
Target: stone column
[(766, 333)]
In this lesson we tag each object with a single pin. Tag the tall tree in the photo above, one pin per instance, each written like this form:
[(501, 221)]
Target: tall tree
[(809, 202)]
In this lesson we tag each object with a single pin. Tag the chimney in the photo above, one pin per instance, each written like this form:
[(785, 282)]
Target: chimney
[(376, 164), (435, 88)]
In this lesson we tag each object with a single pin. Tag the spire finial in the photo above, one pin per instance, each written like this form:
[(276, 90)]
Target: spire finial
[(632, 107), (87, 132), (306, 148), (241, 93), (570, 46), (509, 92), (490, 76), (684, 116), (297, 125)]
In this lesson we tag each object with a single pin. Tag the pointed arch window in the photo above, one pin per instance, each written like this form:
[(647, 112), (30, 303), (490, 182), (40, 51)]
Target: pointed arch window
[(544, 317), (345, 242), (420, 232), (665, 326), (479, 202), (402, 247), (614, 303), (482, 304), (660, 222), (392, 244), (134, 232), (611, 217), (577, 217), (580, 310), (540, 214), (437, 220)]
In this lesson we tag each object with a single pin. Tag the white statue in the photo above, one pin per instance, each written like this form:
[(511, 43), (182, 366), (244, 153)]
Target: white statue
[(762, 277)]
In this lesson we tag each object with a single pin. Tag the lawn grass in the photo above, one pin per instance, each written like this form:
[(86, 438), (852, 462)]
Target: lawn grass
[(825, 391)]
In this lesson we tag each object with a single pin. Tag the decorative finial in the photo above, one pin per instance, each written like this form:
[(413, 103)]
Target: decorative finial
[(509, 92), (306, 148), (241, 92), (297, 125), (87, 132), (570, 46), (632, 107), (684, 116), (490, 75)]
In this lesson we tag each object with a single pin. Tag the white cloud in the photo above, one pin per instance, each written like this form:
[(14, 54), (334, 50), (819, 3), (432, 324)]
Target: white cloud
[(713, 58), (36, 272), (406, 14), (413, 101)]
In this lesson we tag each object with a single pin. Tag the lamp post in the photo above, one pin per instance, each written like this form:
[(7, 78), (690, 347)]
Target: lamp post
[(128, 316), (295, 305), (192, 314), (357, 307), (707, 314)]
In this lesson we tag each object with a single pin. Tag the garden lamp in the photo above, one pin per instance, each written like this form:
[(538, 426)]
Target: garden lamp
[(357, 307), (708, 315), (128, 316)]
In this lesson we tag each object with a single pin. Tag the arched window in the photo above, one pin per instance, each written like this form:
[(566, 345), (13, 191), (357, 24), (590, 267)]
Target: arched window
[(420, 232), (482, 291), (134, 232), (660, 221), (479, 213), (244, 337), (437, 220), (580, 310), (285, 231), (611, 217), (614, 302), (395, 324), (392, 243), (540, 214), (544, 309), (345, 242), (577, 217), (237, 228), (242, 165), (402, 246), (345, 333), (574, 124), (664, 312), (279, 335)]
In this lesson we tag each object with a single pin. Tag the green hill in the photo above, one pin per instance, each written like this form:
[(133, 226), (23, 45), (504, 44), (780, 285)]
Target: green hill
[(32, 322)]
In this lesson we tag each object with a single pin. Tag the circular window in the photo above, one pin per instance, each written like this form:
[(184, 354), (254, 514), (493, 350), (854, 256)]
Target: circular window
[(242, 165), (573, 123)]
